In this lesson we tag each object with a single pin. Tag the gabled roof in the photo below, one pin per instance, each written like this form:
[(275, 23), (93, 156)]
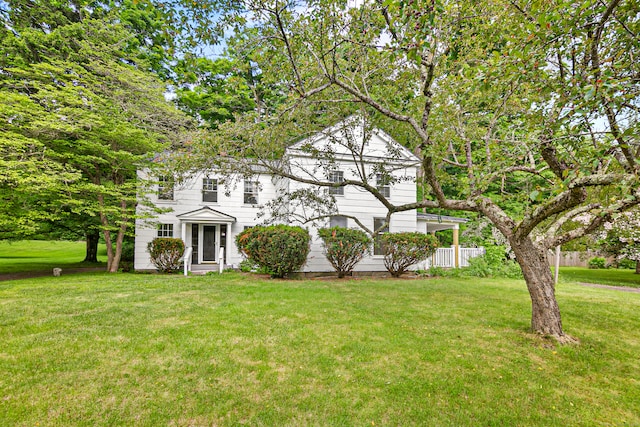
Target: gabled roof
[(206, 214), (381, 145)]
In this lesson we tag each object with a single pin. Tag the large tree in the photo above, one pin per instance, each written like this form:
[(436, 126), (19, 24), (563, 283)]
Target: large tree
[(528, 105), (80, 109)]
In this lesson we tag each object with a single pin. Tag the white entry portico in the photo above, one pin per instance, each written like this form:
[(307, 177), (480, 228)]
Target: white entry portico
[(206, 230)]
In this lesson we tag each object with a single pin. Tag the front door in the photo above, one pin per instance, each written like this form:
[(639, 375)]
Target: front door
[(208, 243)]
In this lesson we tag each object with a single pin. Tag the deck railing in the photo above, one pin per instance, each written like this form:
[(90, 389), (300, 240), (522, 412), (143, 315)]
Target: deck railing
[(446, 257)]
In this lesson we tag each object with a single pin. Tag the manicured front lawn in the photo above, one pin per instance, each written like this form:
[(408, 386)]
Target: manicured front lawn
[(225, 350), (608, 276), (39, 255)]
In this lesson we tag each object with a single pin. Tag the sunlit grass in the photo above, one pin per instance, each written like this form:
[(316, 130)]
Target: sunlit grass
[(40, 255), (608, 276), (226, 350)]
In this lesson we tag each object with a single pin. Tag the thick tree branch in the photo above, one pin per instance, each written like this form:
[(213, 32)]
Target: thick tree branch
[(563, 201)]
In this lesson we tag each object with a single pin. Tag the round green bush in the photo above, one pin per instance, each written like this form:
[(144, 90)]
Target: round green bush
[(597, 262), (344, 247), (279, 249), (166, 253), (402, 250)]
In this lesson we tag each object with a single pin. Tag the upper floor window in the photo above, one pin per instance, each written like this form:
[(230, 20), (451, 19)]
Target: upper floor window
[(165, 230), (338, 221), (209, 190), (250, 193), (337, 177), (382, 184), (378, 247), (165, 188)]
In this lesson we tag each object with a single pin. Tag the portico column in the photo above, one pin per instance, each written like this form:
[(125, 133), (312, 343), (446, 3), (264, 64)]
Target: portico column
[(184, 232), (456, 245)]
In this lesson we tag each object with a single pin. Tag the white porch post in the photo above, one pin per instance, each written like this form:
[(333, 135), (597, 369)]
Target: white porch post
[(184, 232), (456, 245)]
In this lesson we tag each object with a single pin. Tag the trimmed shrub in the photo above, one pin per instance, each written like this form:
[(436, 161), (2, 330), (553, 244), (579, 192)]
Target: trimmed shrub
[(278, 249), (344, 247), (626, 263), (402, 250), (166, 253), (597, 262)]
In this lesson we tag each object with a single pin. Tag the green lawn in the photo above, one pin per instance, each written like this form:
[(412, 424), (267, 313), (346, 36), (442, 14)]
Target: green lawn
[(40, 255), (609, 276), (153, 350)]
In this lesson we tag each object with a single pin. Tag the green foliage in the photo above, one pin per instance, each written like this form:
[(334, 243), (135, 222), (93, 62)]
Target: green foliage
[(81, 114), (402, 250), (166, 253), (279, 249), (626, 263), (344, 247), (597, 262), (493, 263), (128, 251)]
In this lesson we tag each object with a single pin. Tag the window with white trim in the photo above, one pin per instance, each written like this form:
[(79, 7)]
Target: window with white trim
[(209, 190), (337, 177), (165, 230), (250, 193), (382, 184), (338, 221), (165, 188), (378, 247)]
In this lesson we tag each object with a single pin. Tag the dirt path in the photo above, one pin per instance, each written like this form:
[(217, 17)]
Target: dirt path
[(43, 273), (616, 288)]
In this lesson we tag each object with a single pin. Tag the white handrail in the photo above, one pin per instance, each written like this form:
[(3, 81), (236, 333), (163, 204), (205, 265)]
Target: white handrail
[(221, 260), (186, 260)]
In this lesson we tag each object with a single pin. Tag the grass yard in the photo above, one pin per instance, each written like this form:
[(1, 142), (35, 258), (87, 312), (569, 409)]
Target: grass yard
[(609, 276), (148, 350), (38, 255)]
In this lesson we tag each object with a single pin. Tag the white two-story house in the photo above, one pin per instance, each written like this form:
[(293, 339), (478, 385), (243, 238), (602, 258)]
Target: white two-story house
[(208, 215)]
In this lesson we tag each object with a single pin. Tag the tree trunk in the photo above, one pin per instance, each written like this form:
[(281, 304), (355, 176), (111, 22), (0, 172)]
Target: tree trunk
[(109, 243), (115, 262), (545, 313), (92, 238), (637, 267)]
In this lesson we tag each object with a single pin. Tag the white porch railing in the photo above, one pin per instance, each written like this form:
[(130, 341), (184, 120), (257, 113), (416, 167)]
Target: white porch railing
[(186, 260), (467, 253), (446, 257), (221, 260)]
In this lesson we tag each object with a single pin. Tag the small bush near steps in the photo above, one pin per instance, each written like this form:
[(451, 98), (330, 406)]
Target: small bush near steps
[(166, 253)]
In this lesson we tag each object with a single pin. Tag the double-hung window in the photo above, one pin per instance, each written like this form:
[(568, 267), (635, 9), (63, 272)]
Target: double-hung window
[(209, 190), (338, 221), (165, 188), (336, 177), (378, 247), (250, 193), (382, 184), (165, 230)]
